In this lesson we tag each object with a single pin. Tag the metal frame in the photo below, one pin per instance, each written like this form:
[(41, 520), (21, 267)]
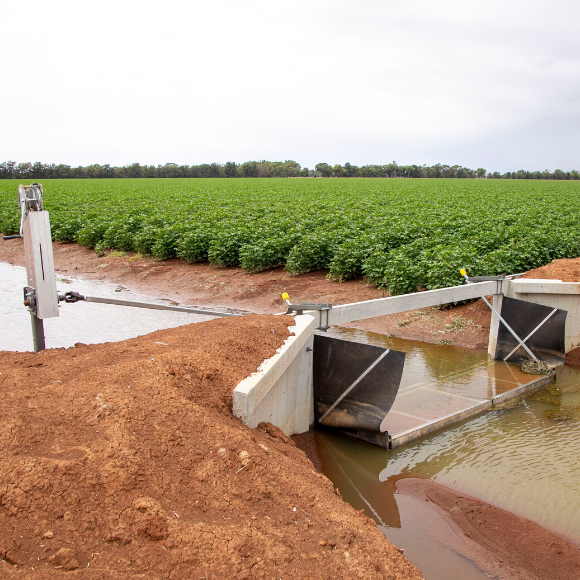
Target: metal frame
[(476, 279), (300, 308)]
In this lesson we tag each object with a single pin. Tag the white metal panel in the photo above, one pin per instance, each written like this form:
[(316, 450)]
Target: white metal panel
[(40, 262)]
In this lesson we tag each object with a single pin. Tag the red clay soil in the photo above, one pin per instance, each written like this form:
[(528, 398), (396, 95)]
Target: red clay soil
[(567, 270), (573, 357), (123, 460), (502, 544), (464, 325), (204, 285)]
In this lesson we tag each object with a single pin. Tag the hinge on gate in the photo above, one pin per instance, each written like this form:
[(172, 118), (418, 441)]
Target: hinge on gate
[(475, 279), (300, 308)]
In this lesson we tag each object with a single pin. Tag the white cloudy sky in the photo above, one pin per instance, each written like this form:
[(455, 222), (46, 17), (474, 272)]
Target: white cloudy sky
[(494, 83)]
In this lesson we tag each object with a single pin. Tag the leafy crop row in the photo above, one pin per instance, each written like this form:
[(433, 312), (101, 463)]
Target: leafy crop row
[(399, 234)]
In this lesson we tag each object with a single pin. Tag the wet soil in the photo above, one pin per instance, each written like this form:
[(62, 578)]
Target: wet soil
[(204, 285), (123, 460), (502, 544), (199, 284), (465, 325)]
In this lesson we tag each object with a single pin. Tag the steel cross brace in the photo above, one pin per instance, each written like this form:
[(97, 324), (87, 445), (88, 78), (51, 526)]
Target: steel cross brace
[(521, 342), (366, 372)]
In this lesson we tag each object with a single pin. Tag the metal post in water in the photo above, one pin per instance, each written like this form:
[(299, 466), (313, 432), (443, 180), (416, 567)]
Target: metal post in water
[(37, 332)]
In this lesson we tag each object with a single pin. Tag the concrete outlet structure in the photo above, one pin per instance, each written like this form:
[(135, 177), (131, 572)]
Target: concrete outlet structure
[(281, 391)]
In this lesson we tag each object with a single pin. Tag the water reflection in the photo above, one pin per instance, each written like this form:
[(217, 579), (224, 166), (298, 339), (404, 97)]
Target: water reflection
[(518, 459), (84, 322), (424, 362)]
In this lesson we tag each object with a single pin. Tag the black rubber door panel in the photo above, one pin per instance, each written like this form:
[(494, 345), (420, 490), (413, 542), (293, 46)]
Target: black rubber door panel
[(338, 364)]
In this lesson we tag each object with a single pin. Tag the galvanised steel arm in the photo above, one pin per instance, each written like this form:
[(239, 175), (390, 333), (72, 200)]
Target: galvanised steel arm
[(395, 304), (71, 297)]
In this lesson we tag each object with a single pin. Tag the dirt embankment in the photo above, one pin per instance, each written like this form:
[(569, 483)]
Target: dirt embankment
[(567, 270), (466, 325), (503, 544), (123, 460)]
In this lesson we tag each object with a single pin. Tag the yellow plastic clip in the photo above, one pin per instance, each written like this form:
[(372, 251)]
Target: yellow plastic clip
[(285, 296)]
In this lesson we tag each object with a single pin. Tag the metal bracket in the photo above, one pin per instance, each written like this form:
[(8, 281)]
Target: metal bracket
[(29, 199), (70, 297), (476, 279), (38, 343), (30, 298), (322, 308)]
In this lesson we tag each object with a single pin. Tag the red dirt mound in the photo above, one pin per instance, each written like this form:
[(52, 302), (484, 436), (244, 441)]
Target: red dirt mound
[(123, 460), (567, 270)]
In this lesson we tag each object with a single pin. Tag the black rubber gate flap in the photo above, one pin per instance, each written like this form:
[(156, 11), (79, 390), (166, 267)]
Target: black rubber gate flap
[(547, 343), (337, 365)]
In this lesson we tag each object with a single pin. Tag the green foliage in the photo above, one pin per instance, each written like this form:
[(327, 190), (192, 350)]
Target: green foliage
[(194, 246), (224, 249), (145, 239), (67, 232), (313, 252), (400, 234), (266, 253), (166, 243), (349, 259), (91, 234)]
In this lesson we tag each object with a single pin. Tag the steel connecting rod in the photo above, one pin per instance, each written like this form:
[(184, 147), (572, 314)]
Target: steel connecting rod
[(72, 297)]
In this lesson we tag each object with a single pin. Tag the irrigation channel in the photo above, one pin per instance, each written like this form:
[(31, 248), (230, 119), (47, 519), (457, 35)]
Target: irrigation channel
[(525, 458), (84, 322)]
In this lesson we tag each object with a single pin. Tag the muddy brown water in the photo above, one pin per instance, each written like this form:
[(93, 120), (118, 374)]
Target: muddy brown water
[(524, 459)]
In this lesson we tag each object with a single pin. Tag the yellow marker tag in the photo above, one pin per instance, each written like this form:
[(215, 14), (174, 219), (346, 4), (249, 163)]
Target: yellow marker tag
[(285, 296), (463, 272)]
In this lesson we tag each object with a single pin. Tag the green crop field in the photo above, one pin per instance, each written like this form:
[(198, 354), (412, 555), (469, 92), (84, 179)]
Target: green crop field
[(402, 234)]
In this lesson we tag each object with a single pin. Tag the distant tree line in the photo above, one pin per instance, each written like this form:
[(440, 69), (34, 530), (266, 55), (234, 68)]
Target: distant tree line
[(289, 168)]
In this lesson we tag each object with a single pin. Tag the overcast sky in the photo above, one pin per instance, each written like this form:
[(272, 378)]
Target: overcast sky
[(493, 84)]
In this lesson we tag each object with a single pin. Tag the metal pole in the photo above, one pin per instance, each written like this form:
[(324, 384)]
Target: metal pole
[(37, 332), (153, 306)]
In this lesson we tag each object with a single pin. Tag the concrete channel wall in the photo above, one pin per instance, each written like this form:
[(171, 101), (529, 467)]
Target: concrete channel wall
[(280, 392)]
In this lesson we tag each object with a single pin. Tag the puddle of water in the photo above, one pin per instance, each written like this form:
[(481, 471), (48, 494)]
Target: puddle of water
[(525, 459), (84, 322)]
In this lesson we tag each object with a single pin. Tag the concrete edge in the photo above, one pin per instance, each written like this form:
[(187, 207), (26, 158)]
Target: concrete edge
[(540, 286), (530, 387), (250, 392), (437, 424)]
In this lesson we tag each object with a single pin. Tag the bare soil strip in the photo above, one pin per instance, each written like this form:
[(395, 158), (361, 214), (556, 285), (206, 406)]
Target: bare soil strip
[(123, 460)]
